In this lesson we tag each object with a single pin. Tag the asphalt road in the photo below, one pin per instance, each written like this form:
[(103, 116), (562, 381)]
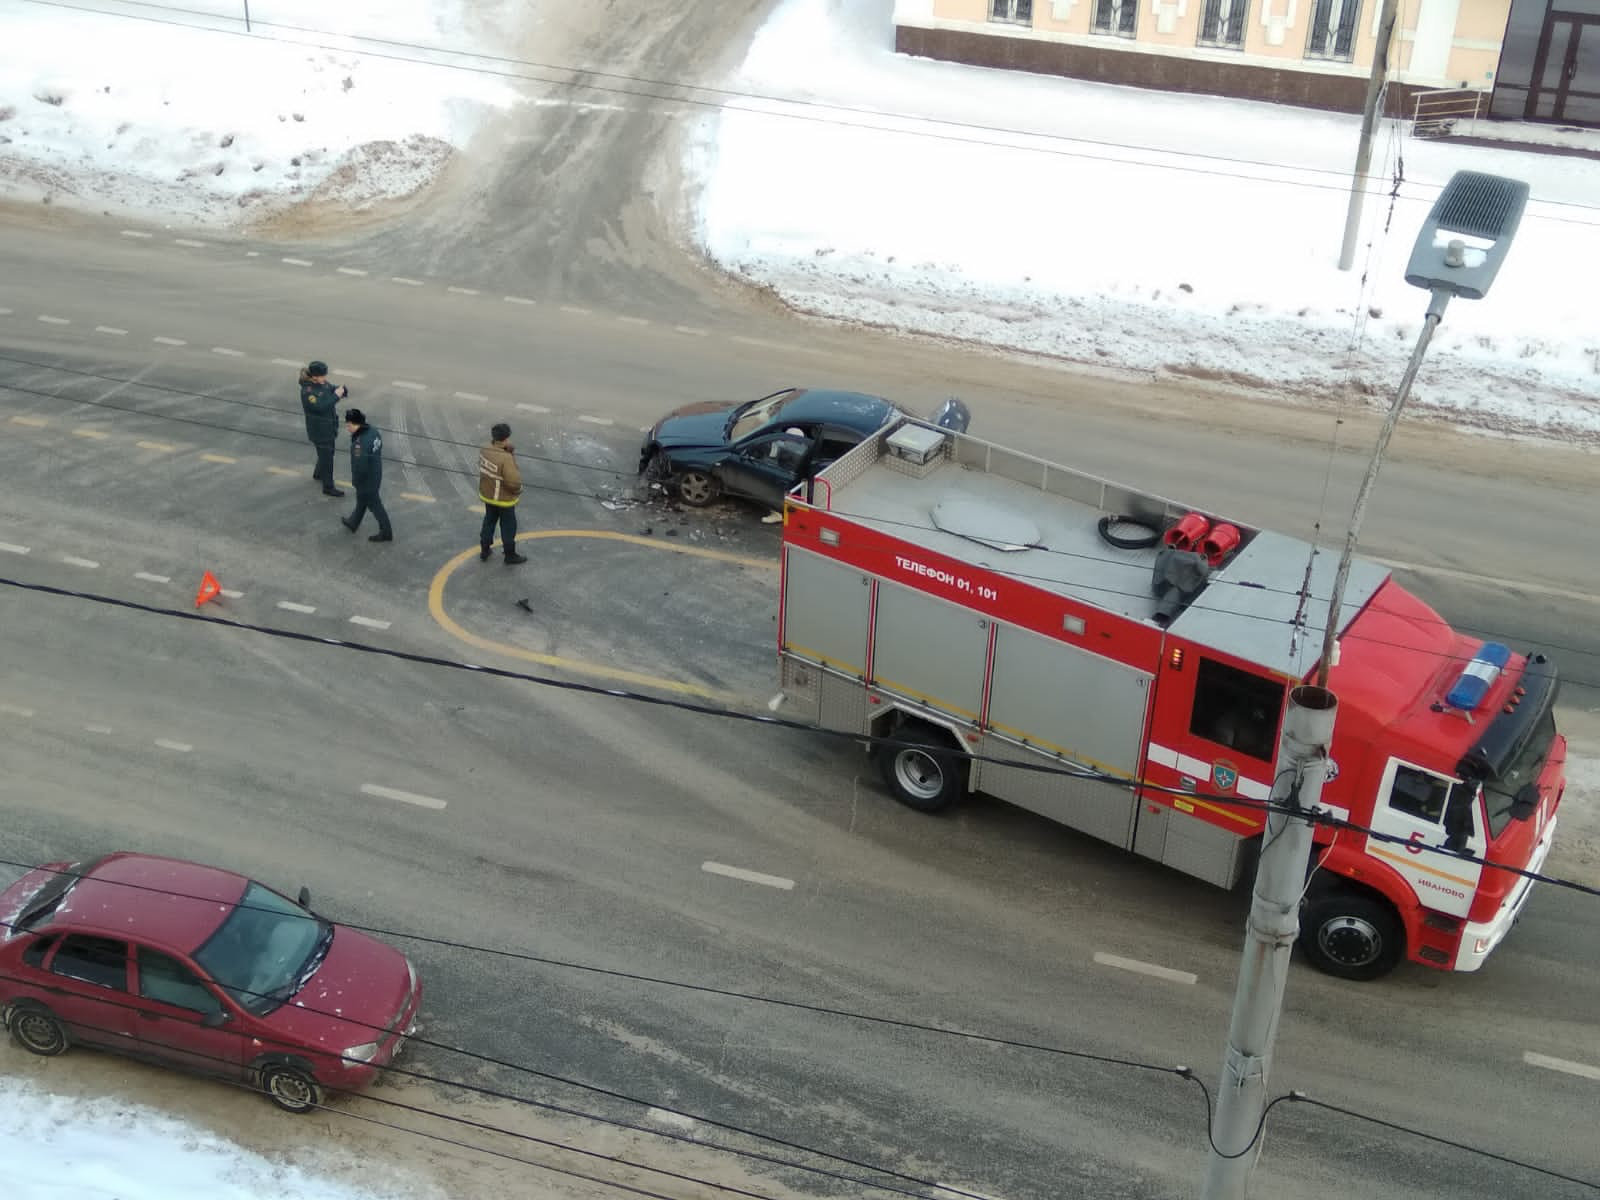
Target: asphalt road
[(151, 432)]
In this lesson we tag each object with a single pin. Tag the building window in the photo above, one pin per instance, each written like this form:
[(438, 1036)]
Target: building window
[(1333, 29), (1116, 16), (1222, 23), (1019, 12)]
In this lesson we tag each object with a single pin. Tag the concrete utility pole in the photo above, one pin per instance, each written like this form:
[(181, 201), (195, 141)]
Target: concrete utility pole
[(1269, 938), (1369, 121)]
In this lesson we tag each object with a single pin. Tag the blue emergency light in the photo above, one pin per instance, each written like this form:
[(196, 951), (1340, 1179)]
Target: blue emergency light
[(1478, 677)]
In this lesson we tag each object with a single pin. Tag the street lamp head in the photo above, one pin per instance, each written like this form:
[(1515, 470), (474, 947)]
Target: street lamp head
[(1467, 233)]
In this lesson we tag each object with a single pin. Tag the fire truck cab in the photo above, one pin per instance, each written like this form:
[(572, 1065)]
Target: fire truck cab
[(1120, 663)]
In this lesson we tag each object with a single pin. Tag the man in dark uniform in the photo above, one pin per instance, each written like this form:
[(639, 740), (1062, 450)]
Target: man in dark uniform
[(320, 401), (366, 472)]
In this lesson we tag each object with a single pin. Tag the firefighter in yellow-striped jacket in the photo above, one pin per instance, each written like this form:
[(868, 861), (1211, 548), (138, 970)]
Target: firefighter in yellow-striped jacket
[(499, 487)]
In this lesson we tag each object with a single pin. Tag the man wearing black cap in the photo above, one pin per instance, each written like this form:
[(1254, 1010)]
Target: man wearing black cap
[(366, 472), (499, 487), (320, 401)]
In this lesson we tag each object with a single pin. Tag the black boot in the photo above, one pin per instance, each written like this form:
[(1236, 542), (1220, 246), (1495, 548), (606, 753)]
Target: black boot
[(513, 558), (332, 491), (381, 537), (347, 523), (485, 553)]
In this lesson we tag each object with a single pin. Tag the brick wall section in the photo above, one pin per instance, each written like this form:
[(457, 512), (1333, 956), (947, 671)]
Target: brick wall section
[(1162, 72)]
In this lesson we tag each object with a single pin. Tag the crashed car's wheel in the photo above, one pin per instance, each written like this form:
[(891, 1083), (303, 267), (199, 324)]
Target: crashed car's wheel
[(697, 488)]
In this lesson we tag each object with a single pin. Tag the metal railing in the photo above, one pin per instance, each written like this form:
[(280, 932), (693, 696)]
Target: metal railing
[(1435, 114)]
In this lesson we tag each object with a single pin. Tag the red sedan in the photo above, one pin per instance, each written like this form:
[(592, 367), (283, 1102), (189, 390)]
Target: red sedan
[(202, 969)]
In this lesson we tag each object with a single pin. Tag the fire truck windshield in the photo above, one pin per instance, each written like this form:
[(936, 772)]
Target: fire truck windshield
[(1500, 794)]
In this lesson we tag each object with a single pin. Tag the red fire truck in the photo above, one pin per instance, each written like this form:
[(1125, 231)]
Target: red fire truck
[(994, 614)]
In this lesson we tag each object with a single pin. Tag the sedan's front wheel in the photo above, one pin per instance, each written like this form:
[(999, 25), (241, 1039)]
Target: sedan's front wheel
[(697, 488), (291, 1089), (37, 1031)]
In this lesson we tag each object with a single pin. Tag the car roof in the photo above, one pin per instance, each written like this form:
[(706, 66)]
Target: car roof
[(853, 410), (160, 901)]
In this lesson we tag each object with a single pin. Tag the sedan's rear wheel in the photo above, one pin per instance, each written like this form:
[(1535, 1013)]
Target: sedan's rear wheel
[(291, 1089), (697, 488), (37, 1031)]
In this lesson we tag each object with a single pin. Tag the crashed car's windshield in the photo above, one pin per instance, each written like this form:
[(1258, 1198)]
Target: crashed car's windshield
[(758, 413)]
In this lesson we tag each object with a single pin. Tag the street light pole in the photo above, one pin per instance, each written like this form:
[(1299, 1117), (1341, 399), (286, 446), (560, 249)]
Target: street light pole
[(1369, 121)]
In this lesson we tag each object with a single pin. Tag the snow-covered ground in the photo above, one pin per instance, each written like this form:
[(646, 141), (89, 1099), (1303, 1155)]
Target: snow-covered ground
[(1120, 227)]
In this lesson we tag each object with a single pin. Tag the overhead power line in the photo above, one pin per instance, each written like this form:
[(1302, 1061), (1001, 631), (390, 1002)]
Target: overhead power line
[(1319, 816), (615, 472), (579, 78)]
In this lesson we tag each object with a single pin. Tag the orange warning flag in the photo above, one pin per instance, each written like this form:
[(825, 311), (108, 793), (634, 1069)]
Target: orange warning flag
[(210, 589)]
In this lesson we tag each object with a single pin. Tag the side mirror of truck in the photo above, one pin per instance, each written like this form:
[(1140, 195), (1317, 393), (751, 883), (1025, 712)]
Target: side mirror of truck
[(1526, 803)]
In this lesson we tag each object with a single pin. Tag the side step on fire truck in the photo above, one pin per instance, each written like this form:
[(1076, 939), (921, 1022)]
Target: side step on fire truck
[(991, 612)]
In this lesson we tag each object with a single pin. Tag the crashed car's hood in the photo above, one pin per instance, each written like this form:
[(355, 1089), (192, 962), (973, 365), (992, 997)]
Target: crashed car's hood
[(702, 424)]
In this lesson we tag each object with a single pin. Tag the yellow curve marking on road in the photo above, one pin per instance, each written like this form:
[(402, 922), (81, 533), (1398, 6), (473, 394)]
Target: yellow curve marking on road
[(578, 665)]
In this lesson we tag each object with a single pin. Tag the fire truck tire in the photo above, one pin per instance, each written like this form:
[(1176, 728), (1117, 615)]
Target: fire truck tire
[(1351, 935), (925, 773), (696, 488)]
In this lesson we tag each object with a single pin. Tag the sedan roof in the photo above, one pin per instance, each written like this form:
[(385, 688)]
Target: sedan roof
[(853, 410), (162, 901)]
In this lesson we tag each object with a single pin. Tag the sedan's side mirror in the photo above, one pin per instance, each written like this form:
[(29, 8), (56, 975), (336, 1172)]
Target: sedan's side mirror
[(214, 1020), (304, 898)]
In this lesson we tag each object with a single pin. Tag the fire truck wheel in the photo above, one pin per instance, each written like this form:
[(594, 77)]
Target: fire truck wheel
[(925, 773), (1351, 935), (697, 488)]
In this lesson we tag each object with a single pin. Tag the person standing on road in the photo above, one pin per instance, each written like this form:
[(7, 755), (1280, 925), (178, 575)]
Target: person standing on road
[(366, 472), (319, 399), (499, 487)]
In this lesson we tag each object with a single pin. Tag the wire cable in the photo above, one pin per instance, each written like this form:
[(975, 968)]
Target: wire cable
[(1317, 816)]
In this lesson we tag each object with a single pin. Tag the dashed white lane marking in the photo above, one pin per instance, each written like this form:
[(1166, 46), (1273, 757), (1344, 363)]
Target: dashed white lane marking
[(385, 793), (96, 434), (1144, 968), (217, 458), (223, 350), (772, 881), (13, 548), (169, 341), (692, 331), (282, 471), (49, 320), (533, 408), (369, 622), (763, 343), (189, 242), (15, 710), (287, 362), (136, 233), (291, 606), (350, 373), (663, 1117), (422, 496), (577, 311), (252, 254), (6, 312), (97, 729), (1565, 1066), (111, 329), (351, 271), (634, 320), (149, 578), (518, 300), (86, 563), (231, 594), (36, 422), (775, 703), (471, 396), (298, 262), (180, 747), (165, 447), (461, 291), (597, 420), (401, 279), (408, 385)]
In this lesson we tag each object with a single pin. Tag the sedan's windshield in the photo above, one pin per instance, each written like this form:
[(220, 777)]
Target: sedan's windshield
[(758, 413), (49, 897), (266, 949)]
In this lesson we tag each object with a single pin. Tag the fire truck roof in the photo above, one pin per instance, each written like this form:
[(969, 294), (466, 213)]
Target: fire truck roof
[(1250, 608)]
